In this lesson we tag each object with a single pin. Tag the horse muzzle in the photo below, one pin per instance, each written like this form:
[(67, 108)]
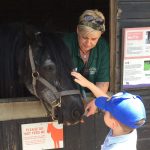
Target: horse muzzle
[(74, 117)]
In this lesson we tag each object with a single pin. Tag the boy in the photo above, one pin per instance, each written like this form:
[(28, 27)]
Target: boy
[(123, 113)]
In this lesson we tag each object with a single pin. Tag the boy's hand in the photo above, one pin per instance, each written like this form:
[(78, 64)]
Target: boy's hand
[(90, 108), (80, 79)]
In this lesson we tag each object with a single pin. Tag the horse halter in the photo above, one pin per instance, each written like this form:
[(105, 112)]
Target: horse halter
[(36, 77)]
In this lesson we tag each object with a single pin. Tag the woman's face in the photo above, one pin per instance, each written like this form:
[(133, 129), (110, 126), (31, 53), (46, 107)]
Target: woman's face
[(88, 41)]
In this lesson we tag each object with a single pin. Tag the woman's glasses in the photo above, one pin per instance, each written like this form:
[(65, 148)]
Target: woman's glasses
[(89, 18)]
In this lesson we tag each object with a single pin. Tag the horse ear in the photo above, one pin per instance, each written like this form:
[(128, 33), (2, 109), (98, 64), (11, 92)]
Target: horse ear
[(34, 40), (33, 35), (29, 32)]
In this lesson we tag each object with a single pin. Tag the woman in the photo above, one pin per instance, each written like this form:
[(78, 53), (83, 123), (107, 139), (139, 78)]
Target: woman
[(89, 51)]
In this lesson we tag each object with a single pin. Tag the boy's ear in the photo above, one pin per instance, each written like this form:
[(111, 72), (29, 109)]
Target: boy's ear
[(114, 124)]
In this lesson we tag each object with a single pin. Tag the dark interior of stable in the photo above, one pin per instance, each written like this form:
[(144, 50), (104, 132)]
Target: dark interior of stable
[(55, 16)]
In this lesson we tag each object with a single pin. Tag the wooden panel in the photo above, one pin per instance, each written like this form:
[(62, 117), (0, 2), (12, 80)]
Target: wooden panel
[(21, 110), (133, 0), (87, 135), (56, 16), (101, 130), (134, 10), (134, 13), (144, 132), (127, 23), (10, 133), (77, 137), (72, 137), (130, 14)]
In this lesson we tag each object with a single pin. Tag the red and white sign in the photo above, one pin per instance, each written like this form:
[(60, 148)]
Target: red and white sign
[(42, 136)]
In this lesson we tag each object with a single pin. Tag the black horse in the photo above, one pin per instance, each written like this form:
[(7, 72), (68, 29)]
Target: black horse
[(38, 63)]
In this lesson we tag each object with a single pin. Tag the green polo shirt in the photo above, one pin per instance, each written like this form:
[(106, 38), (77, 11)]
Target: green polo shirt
[(97, 67)]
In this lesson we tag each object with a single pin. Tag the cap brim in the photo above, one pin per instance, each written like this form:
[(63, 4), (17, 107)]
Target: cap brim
[(101, 102)]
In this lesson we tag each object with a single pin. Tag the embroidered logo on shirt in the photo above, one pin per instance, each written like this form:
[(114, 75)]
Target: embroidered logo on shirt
[(92, 70)]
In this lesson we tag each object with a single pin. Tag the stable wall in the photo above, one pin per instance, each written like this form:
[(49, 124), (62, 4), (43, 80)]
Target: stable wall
[(133, 13), (59, 16)]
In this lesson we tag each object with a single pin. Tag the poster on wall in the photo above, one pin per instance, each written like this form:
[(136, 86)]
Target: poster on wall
[(42, 136), (136, 57)]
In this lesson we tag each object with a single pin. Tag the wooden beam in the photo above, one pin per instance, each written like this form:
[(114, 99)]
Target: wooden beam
[(21, 110), (113, 27)]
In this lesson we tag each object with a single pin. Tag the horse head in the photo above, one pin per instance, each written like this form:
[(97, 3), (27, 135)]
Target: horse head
[(46, 73)]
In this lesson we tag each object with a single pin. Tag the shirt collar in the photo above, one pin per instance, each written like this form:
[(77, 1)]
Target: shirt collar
[(118, 139)]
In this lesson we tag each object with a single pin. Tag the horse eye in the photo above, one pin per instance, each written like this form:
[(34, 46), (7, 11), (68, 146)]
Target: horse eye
[(50, 68), (49, 65)]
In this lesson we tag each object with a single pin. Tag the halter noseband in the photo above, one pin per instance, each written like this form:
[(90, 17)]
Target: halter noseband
[(36, 76)]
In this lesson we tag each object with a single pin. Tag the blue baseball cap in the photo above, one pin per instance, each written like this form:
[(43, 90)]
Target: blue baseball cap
[(125, 107)]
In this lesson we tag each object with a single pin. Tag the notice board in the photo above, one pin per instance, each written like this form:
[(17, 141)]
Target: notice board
[(136, 58)]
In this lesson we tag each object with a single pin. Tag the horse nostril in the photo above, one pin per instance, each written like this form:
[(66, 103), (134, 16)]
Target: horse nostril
[(76, 114)]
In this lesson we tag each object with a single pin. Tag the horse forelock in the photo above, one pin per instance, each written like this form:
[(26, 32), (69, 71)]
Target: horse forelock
[(59, 53)]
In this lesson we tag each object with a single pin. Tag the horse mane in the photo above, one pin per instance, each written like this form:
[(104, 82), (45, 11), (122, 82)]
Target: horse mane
[(10, 38)]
